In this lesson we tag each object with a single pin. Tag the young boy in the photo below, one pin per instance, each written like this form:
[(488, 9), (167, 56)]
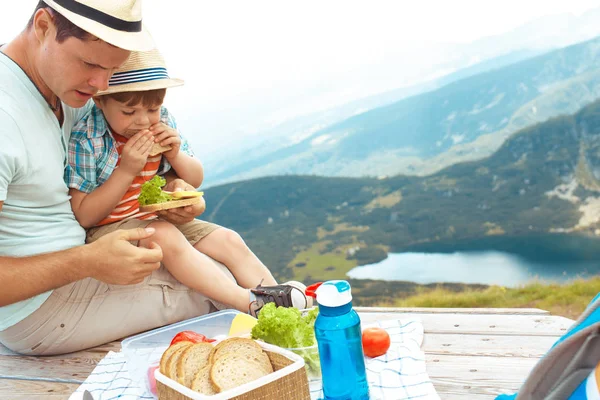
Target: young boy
[(108, 161)]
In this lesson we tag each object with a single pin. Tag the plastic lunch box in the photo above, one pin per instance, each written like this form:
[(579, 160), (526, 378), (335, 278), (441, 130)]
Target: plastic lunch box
[(144, 350)]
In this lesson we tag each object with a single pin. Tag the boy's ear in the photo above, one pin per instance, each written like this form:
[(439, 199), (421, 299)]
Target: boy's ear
[(98, 102)]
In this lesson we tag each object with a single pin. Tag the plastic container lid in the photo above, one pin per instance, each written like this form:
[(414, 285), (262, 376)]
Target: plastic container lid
[(145, 350), (334, 293)]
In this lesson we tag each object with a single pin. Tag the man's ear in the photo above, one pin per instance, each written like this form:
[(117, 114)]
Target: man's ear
[(43, 25)]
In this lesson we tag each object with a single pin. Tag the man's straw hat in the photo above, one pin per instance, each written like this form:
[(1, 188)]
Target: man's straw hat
[(118, 22), (142, 71)]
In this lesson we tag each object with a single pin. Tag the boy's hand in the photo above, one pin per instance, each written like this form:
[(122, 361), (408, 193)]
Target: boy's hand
[(135, 152), (182, 215), (166, 136)]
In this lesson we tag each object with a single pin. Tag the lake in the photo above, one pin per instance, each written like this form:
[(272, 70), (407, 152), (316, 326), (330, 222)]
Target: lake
[(498, 260)]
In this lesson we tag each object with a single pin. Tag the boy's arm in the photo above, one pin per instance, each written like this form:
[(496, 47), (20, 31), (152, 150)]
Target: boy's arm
[(91, 208), (188, 168), (91, 203), (180, 157)]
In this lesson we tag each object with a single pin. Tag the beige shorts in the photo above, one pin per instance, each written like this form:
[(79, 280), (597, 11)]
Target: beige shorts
[(193, 231)]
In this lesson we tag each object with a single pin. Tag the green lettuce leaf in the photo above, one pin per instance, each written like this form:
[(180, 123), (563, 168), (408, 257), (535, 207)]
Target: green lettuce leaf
[(152, 192)]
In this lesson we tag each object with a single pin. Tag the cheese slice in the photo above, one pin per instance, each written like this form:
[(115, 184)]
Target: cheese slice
[(242, 324), (185, 194)]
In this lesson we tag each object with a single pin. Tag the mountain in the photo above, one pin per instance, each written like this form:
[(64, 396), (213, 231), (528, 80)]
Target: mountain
[(299, 128), (464, 120), (543, 179)]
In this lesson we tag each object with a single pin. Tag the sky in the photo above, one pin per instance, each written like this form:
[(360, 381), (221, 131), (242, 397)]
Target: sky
[(249, 65)]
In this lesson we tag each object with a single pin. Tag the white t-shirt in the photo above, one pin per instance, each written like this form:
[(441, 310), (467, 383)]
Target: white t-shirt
[(36, 216)]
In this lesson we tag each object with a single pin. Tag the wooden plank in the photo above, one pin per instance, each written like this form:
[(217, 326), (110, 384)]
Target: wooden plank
[(477, 376), (73, 366), (78, 366), (431, 310), (484, 324), (12, 389), (487, 345), (105, 348)]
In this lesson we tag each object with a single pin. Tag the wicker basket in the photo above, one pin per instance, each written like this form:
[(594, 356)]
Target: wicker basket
[(292, 385)]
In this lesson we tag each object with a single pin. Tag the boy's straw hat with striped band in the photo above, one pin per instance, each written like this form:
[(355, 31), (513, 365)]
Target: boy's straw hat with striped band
[(142, 71), (118, 22)]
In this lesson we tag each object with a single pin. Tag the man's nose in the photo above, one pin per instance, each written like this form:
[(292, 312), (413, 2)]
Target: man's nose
[(100, 80)]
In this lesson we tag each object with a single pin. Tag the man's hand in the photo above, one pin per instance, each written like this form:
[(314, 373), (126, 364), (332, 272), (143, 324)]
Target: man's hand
[(118, 262), (166, 136), (135, 152), (182, 215)]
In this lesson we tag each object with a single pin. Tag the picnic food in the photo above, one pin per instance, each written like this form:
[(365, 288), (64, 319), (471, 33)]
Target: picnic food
[(190, 336), (242, 324), (375, 341), (192, 357), (152, 198), (210, 369), (288, 328), (157, 148)]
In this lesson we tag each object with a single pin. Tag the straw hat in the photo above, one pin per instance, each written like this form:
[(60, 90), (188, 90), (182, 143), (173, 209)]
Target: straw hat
[(142, 71), (118, 22)]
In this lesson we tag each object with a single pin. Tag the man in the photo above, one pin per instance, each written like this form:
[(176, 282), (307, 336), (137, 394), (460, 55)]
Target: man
[(58, 295)]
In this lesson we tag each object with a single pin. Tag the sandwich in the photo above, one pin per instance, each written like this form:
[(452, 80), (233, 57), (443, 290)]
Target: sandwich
[(158, 149), (153, 198)]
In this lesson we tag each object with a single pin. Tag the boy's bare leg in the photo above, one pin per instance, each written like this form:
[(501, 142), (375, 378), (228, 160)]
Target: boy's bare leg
[(227, 247), (194, 269)]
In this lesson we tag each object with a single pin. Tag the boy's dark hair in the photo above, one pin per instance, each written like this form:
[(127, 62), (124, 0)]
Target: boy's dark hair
[(64, 28), (149, 98)]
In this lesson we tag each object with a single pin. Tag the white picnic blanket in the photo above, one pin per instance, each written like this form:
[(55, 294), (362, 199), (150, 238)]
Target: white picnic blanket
[(400, 374)]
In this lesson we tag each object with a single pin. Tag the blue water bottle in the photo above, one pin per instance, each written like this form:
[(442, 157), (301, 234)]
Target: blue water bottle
[(339, 338)]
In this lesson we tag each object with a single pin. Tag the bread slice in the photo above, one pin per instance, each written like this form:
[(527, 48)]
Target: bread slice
[(191, 361), (168, 353), (158, 149), (171, 365), (170, 204), (201, 382), (235, 369), (233, 345)]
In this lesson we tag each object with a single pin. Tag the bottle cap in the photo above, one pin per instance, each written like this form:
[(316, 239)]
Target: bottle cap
[(334, 293)]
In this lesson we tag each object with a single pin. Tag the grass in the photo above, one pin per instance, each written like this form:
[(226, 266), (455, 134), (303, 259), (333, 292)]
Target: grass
[(313, 262), (568, 300)]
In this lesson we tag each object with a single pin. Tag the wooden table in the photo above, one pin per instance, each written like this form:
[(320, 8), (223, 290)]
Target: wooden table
[(471, 353)]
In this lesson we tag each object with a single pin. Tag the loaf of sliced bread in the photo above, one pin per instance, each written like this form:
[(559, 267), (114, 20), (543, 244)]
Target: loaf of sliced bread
[(192, 360), (201, 382), (234, 369), (168, 353), (233, 345), (171, 365)]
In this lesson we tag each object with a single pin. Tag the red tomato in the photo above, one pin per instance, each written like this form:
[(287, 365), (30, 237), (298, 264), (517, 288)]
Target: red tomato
[(190, 336), (375, 341), (152, 379)]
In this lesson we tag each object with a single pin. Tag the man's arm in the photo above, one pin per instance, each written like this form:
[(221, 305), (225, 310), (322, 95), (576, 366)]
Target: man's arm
[(111, 259)]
